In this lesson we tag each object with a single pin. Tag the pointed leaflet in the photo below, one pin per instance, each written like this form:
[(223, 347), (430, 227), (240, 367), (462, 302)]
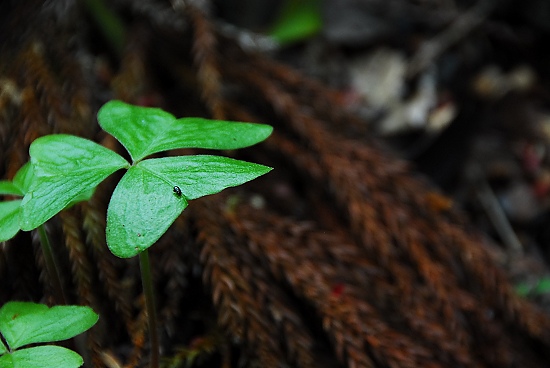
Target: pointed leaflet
[(142, 208), (144, 204), (65, 168), (145, 130), (202, 175), (23, 323), (42, 357)]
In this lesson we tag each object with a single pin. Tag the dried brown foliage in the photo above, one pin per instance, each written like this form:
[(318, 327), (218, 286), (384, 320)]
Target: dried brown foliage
[(347, 259)]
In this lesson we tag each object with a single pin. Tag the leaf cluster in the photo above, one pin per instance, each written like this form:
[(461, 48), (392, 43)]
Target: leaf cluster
[(152, 193)]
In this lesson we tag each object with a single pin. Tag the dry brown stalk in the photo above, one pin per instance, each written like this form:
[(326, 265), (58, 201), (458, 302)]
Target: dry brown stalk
[(206, 60), (173, 267), (344, 267), (137, 333), (81, 269), (93, 223), (237, 289), (384, 185)]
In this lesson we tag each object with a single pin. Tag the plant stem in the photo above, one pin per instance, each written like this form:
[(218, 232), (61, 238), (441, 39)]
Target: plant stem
[(51, 266), (147, 282)]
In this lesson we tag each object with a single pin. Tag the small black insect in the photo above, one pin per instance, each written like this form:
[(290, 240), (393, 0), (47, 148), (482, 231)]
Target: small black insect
[(177, 190)]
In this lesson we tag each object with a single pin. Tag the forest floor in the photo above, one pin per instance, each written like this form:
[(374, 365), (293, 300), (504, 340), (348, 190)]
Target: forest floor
[(344, 255), (462, 89)]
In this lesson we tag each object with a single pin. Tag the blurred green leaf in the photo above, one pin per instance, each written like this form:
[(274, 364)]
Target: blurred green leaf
[(299, 20), (541, 287)]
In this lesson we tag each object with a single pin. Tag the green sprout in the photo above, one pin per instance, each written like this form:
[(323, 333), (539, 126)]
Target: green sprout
[(144, 203), (23, 323), (152, 193)]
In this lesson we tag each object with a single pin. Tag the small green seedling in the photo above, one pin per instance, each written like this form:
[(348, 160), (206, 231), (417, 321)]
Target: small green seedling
[(23, 323), (152, 193)]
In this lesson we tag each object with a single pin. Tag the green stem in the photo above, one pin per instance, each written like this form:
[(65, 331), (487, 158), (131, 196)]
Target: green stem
[(147, 281), (51, 266)]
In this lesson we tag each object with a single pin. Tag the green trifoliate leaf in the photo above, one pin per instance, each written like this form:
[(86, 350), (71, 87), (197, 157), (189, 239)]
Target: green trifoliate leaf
[(142, 208), (23, 323), (41, 357), (145, 130), (9, 219), (66, 168)]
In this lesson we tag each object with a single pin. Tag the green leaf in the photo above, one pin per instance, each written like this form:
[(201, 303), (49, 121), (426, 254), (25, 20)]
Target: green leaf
[(202, 175), (3, 348), (7, 187), (144, 205), (24, 178), (66, 168), (145, 130), (23, 323), (42, 357), (541, 287), (142, 208), (9, 219), (21, 182), (299, 20)]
